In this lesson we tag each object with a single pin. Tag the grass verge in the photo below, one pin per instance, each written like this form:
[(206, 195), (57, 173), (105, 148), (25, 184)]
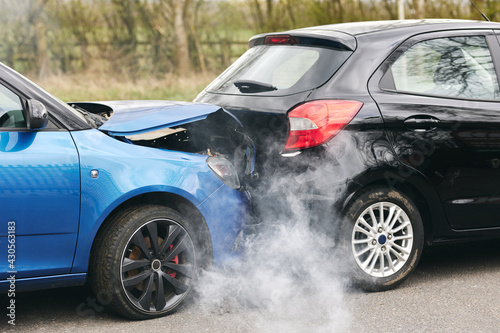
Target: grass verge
[(89, 87)]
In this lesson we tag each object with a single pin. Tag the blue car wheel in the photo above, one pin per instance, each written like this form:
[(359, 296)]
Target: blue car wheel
[(144, 262)]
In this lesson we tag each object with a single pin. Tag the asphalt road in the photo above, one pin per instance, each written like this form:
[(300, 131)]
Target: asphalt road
[(454, 289)]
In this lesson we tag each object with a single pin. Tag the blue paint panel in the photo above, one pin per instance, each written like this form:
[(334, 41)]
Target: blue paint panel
[(225, 224), (126, 171), (40, 192), (39, 255)]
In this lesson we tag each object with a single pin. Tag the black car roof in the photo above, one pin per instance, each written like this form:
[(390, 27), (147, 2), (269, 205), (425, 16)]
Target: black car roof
[(359, 28), (345, 33)]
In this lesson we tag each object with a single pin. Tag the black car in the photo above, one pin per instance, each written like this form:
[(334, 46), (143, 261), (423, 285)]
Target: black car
[(392, 125)]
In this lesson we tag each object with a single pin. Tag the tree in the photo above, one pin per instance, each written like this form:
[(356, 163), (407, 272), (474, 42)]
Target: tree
[(420, 9), (35, 19), (181, 11)]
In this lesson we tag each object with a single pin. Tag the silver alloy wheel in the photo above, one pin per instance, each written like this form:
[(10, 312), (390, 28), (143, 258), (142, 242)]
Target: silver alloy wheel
[(382, 239)]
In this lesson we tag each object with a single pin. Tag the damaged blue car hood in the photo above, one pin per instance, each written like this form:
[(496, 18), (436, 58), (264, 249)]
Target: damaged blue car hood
[(135, 117)]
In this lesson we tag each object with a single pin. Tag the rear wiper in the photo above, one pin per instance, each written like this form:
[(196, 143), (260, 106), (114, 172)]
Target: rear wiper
[(250, 86)]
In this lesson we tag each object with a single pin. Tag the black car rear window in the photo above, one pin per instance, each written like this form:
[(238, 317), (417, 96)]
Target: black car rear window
[(278, 70)]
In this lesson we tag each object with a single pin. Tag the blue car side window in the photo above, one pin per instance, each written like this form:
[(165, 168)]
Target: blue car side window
[(11, 110)]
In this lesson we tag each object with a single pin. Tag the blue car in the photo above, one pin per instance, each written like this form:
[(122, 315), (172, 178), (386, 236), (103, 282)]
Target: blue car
[(133, 196)]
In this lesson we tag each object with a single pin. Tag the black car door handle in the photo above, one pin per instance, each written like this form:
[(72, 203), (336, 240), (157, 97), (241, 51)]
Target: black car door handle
[(422, 123)]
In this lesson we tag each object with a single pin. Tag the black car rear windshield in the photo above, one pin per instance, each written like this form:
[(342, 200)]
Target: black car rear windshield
[(277, 70)]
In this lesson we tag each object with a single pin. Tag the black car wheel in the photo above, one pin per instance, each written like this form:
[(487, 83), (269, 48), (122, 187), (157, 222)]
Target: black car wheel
[(383, 238), (144, 262)]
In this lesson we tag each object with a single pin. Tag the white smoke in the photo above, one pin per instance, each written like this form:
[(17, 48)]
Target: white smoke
[(289, 271)]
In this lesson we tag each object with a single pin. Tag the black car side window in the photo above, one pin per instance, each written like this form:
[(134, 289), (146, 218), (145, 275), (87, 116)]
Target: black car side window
[(452, 67), (11, 110)]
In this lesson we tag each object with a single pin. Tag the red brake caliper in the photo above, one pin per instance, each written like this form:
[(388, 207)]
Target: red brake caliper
[(175, 261)]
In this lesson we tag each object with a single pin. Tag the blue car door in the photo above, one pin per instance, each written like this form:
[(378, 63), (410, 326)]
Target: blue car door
[(39, 195)]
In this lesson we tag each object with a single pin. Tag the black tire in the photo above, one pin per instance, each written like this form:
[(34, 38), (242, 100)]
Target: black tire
[(140, 278), (381, 253)]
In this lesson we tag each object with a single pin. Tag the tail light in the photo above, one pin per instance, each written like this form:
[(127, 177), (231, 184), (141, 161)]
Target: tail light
[(280, 40), (314, 123), (225, 171)]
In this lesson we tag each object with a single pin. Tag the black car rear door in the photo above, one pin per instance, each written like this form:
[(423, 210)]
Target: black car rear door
[(440, 100)]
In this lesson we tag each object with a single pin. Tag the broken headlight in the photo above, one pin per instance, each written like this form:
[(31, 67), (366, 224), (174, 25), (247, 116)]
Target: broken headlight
[(225, 171)]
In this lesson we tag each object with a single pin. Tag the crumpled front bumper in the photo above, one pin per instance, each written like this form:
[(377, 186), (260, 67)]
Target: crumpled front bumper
[(226, 212)]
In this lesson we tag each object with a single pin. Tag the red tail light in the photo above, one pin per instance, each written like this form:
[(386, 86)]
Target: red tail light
[(317, 122)]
